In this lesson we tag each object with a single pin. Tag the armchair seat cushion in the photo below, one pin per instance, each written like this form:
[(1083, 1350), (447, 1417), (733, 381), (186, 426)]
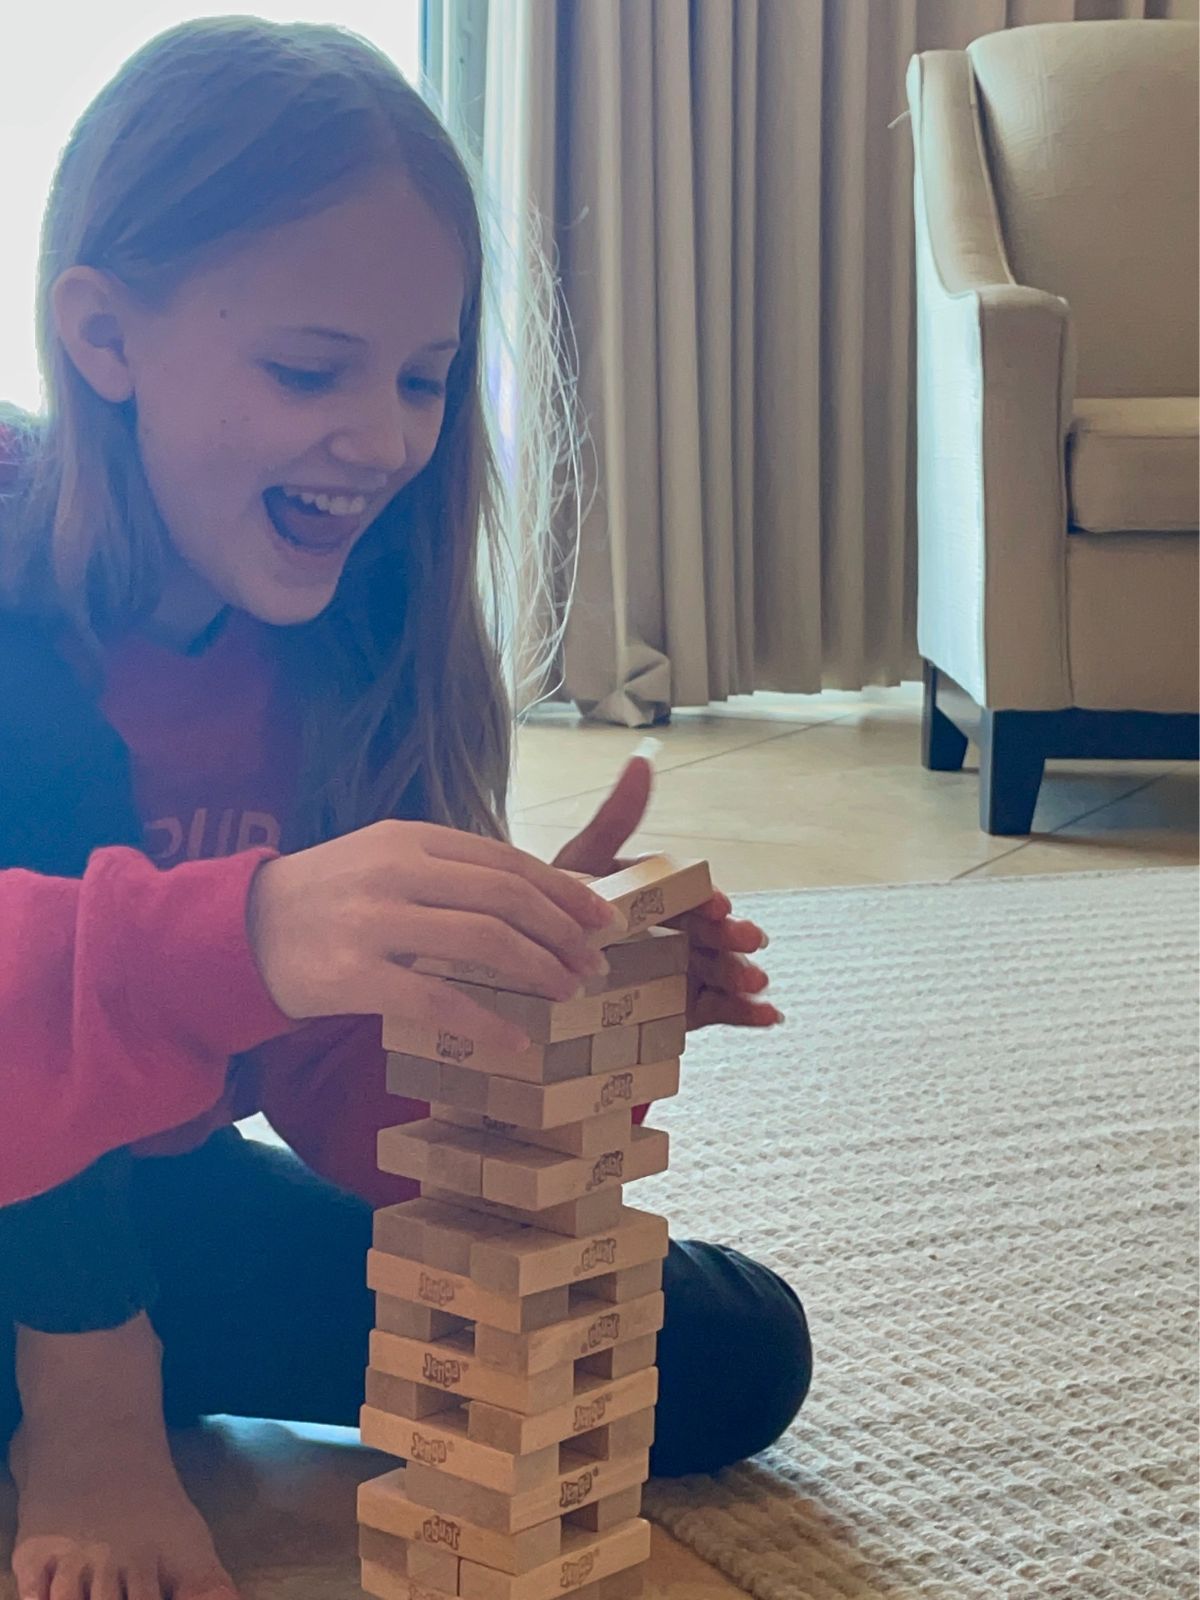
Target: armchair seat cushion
[(1133, 465)]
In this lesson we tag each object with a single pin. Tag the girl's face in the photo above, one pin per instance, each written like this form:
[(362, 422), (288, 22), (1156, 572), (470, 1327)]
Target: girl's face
[(288, 393)]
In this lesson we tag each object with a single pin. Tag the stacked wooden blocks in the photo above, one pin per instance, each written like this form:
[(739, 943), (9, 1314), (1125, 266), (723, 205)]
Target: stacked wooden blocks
[(518, 1300)]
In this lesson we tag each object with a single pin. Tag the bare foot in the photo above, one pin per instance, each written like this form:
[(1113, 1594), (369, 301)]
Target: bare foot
[(102, 1514)]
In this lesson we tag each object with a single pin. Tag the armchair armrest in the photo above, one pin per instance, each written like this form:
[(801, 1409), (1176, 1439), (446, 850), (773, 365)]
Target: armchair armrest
[(994, 399)]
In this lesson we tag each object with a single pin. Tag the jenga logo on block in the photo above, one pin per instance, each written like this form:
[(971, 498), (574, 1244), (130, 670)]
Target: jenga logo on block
[(590, 1416), (430, 1451), (574, 1572), (604, 1329), (611, 1165), (437, 1530), (418, 1591), (497, 1126), (618, 1087), (649, 903), (614, 1012), (454, 1046), (441, 1369), (576, 1490), (436, 1291), (601, 1252)]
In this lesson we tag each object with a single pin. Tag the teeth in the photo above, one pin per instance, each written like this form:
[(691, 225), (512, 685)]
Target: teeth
[(334, 505)]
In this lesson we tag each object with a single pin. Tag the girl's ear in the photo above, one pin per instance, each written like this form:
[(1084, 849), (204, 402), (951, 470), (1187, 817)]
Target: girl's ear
[(88, 314)]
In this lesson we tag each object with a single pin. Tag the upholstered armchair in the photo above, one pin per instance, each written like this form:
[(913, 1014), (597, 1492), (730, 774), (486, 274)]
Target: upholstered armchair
[(1056, 251)]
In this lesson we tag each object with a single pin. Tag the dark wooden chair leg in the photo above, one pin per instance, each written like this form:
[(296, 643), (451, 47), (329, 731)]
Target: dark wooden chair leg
[(1012, 758), (943, 747)]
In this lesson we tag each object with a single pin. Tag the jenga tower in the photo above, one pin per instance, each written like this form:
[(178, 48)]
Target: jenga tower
[(518, 1301)]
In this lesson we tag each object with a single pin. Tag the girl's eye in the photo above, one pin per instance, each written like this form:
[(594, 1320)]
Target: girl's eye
[(427, 389), (300, 380)]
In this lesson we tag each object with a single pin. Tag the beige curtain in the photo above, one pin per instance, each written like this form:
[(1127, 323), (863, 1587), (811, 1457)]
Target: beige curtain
[(730, 205)]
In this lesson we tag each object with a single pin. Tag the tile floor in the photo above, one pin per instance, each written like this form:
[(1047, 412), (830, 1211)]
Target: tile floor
[(796, 791)]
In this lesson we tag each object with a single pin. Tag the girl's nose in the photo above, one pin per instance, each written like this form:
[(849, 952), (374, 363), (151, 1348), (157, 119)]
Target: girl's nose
[(376, 441)]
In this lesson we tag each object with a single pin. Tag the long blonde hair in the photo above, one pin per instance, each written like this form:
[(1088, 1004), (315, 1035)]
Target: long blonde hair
[(213, 130)]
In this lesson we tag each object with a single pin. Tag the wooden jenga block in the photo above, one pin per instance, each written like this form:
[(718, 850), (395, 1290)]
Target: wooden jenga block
[(404, 1398), (540, 1063), (550, 1022), (617, 1048), (421, 1079), (442, 1442), (398, 1277), (421, 1231), (417, 1076), (435, 1569), (576, 1219), (587, 1332), (580, 1482), (657, 953), (548, 1106), (585, 1559), (607, 1513), (527, 1259), (450, 1364), (384, 1503), (622, 1359), (662, 1039), (539, 1106), (640, 958), (387, 1549), (655, 890), (413, 1321), (434, 1152), (588, 1138), (382, 1583), (628, 1283), (593, 1404), (613, 1441), (533, 1179)]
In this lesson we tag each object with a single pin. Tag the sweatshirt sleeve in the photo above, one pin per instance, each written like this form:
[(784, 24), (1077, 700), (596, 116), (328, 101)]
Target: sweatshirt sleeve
[(324, 1091), (122, 996)]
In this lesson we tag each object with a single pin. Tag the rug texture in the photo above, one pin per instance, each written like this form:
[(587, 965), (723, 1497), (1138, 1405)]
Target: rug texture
[(972, 1150)]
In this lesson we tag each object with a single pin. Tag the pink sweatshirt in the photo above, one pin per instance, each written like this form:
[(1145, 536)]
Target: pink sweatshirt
[(134, 989)]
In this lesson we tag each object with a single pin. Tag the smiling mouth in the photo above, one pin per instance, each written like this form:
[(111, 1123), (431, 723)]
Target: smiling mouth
[(316, 524)]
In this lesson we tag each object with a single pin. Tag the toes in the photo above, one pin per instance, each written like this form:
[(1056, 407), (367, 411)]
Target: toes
[(70, 1577), (33, 1566), (107, 1582), (141, 1583)]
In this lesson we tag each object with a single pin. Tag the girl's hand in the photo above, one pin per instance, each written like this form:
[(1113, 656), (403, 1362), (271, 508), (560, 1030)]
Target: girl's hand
[(334, 929), (721, 980)]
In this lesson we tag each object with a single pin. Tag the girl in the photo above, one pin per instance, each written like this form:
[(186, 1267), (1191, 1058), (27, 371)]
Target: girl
[(254, 745)]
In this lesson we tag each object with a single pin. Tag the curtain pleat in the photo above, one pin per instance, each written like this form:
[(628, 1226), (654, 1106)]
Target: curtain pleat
[(731, 210)]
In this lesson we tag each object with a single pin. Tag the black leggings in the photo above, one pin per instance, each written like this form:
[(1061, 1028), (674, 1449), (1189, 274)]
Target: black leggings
[(261, 1304)]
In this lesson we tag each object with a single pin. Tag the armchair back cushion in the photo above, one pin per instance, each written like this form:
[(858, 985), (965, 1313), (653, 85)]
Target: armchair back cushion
[(1090, 131)]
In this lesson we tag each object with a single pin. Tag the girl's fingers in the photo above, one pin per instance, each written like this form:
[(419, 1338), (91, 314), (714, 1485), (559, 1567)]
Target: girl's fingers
[(733, 933), (727, 971), (486, 941), (738, 1011), (452, 885), (566, 891)]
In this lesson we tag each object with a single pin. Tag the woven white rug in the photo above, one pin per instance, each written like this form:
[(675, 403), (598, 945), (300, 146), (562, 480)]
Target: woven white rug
[(972, 1150)]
